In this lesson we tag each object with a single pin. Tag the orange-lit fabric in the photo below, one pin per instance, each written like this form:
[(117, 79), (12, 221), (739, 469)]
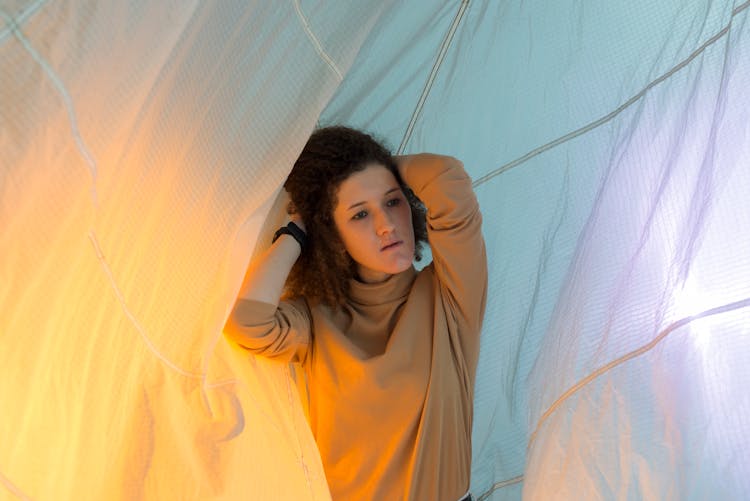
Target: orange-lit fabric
[(391, 375)]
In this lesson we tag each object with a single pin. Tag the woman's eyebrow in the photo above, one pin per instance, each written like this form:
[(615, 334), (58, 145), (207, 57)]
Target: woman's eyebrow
[(384, 195)]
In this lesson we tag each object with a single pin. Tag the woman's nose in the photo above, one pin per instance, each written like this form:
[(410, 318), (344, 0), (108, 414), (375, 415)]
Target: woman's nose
[(384, 224)]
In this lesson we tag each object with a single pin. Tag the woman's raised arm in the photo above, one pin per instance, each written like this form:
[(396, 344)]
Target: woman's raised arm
[(259, 322), (454, 229), (266, 274)]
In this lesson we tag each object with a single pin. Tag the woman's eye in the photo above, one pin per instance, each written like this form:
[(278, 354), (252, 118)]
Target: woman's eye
[(359, 215), (393, 202)]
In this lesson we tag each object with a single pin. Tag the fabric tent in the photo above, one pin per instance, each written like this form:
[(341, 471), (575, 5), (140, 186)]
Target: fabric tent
[(144, 145)]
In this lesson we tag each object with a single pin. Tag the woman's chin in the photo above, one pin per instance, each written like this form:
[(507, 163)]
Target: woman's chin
[(400, 265), (383, 272)]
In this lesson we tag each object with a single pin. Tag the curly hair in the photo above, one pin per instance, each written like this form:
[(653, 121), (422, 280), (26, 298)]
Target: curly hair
[(324, 269)]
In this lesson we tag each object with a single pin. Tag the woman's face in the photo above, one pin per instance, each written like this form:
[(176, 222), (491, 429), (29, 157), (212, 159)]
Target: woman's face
[(373, 218)]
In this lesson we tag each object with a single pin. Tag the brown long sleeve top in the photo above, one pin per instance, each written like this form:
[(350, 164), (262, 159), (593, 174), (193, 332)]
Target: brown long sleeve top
[(391, 374)]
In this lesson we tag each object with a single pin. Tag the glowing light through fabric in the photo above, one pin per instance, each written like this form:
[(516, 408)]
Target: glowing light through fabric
[(143, 147)]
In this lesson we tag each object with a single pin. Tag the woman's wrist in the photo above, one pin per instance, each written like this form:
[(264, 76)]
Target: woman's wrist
[(295, 230), (298, 221)]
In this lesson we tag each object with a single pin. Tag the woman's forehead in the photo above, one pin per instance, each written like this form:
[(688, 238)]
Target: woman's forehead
[(371, 183)]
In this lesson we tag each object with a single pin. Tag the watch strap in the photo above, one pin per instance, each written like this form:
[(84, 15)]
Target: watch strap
[(294, 231)]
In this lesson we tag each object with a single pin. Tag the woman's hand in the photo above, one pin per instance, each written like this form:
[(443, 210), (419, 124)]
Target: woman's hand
[(294, 216), (432, 163), (401, 161)]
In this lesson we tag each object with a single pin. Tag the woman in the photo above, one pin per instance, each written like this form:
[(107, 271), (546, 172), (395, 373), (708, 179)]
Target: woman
[(389, 354)]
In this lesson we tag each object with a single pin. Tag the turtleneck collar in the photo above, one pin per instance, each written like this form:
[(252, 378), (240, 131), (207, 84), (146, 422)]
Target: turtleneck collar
[(392, 288)]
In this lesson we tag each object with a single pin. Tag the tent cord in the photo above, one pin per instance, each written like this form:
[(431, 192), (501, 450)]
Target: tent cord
[(593, 125), (21, 19), (500, 485), (431, 79), (743, 303), (315, 42)]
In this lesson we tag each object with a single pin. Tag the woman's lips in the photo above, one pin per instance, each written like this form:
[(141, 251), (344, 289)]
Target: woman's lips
[(392, 245)]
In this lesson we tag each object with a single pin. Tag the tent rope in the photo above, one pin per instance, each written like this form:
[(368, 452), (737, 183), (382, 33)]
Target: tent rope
[(316, 43), (431, 79), (593, 125), (743, 303)]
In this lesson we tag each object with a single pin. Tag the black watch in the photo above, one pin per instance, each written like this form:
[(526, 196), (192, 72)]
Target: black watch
[(293, 230)]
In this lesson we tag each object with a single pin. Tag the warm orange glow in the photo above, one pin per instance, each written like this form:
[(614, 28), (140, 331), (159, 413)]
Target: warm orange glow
[(130, 202)]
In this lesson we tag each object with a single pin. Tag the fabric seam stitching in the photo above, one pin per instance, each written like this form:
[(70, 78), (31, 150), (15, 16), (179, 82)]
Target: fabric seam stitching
[(500, 485), (729, 307), (606, 118), (433, 74), (25, 16), (314, 39)]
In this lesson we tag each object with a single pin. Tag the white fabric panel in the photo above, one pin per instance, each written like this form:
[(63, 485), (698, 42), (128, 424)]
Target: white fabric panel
[(142, 144), (666, 242)]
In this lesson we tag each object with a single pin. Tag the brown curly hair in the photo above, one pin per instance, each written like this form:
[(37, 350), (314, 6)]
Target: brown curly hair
[(323, 271)]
